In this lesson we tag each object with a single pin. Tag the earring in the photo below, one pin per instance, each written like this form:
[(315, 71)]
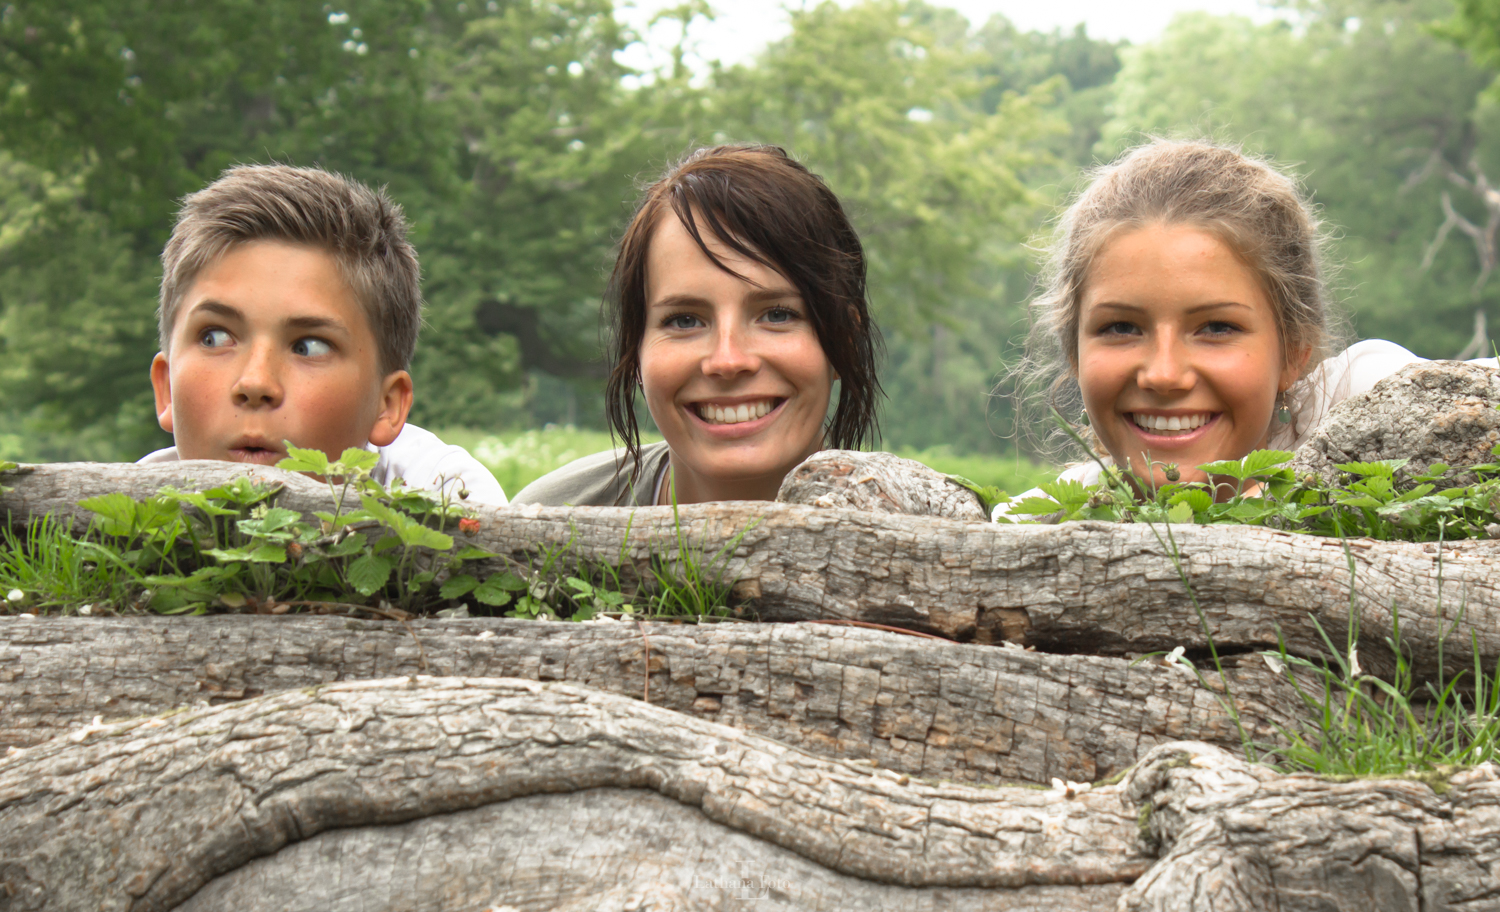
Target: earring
[(1283, 414)]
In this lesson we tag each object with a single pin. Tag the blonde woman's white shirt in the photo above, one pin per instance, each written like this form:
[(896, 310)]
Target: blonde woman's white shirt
[(1355, 371), (422, 460)]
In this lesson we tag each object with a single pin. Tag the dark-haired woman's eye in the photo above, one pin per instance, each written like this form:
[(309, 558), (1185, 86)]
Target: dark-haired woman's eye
[(781, 315), (682, 321)]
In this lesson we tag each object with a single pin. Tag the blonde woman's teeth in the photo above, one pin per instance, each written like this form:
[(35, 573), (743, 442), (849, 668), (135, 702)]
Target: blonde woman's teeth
[(735, 414), (1168, 424)]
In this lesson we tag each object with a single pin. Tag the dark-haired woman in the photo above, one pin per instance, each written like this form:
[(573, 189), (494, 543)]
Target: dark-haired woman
[(737, 304)]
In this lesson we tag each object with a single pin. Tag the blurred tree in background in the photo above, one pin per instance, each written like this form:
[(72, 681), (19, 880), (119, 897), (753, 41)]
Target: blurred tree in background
[(516, 141)]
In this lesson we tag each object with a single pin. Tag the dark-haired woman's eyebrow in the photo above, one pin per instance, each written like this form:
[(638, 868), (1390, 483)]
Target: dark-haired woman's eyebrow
[(763, 295), (678, 300)]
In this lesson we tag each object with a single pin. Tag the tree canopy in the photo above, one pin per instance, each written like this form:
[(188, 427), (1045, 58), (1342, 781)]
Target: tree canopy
[(516, 139)]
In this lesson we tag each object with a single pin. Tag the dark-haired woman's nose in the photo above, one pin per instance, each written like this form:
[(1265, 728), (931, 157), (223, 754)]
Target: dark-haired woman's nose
[(731, 354)]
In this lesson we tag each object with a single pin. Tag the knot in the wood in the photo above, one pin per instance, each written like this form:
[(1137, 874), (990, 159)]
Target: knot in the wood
[(1436, 411), (878, 483)]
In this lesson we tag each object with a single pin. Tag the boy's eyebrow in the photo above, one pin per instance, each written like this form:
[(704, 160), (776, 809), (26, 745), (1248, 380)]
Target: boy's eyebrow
[(229, 312), (219, 308), (305, 323)]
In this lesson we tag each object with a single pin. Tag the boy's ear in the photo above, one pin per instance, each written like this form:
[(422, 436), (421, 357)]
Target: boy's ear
[(395, 404), (161, 383)]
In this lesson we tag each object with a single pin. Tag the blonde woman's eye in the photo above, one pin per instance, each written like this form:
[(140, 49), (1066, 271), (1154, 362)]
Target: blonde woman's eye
[(1120, 328), (214, 338), (1220, 328), (311, 347)]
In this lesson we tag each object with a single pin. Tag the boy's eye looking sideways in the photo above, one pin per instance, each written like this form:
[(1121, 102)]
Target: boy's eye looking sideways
[(311, 347), (214, 338)]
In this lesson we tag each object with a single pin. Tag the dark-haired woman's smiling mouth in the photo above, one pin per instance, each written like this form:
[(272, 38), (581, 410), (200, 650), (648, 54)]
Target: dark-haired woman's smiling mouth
[(738, 413)]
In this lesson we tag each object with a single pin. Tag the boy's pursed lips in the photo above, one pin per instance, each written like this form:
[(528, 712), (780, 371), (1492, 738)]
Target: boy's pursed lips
[(257, 449)]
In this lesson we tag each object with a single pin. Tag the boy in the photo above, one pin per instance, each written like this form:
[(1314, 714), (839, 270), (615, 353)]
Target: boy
[(290, 304)]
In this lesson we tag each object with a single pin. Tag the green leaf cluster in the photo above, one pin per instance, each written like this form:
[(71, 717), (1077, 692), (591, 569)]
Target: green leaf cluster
[(1377, 500), (232, 546)]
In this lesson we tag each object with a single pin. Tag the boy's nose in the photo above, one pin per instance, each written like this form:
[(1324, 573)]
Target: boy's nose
[(258, 385), (731, 354), (1167, 368)]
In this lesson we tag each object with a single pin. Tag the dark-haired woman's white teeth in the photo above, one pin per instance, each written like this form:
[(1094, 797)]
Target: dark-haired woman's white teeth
[(735, 414), (1172, 423)]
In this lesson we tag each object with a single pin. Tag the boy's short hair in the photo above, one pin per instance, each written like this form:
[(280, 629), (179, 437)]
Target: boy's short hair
[(362, 228)]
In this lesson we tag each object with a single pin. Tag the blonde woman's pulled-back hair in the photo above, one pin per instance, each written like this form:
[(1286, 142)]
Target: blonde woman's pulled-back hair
[(360, 227), (1255, 210)]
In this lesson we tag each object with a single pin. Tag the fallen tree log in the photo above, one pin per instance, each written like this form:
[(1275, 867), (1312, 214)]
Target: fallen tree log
[(939, 710), (448, 794), (142, 815), (1094, 587)]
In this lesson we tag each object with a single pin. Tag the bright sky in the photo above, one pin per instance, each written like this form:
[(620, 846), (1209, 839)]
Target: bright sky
[(743, 27)]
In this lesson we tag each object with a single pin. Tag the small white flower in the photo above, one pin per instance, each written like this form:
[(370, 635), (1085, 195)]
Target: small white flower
[(1354, 669), (1173, 656), (87, 730), (1274, 662), (15, 596), (1070, 789), (85, 610)]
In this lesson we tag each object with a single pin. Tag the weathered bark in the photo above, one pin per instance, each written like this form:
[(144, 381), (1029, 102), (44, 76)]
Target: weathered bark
[(927, 708), (1436, 411), (878, 483), (143, 814), (603, 850), (1101, 587), (1240, 838), (463, 793)]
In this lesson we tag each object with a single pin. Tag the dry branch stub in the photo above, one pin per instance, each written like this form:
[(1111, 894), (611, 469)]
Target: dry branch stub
[(1105, 589), (877, 483)]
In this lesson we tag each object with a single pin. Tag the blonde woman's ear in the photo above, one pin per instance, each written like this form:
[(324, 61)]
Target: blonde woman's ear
[(1295, 366)]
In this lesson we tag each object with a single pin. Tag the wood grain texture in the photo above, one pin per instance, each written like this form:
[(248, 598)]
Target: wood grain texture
[(601, 850), (968, 713), (1241, 838), (1101, 588), (141, 815)]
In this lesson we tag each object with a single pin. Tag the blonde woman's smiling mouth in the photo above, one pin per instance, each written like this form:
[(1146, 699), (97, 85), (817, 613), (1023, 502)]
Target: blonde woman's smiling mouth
[(1178, 426)]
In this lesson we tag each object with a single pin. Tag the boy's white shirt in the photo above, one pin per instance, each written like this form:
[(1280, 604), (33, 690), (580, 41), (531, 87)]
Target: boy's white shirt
[(1356, 370), (422, 460)]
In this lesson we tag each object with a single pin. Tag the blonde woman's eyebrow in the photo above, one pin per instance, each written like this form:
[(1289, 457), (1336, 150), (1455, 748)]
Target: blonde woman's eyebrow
[(1195, 309)]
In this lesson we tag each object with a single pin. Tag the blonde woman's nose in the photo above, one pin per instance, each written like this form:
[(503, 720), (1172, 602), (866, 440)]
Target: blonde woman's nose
[(1166, 367)]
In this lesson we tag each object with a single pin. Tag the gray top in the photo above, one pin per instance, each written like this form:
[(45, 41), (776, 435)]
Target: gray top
[(600, 480)]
